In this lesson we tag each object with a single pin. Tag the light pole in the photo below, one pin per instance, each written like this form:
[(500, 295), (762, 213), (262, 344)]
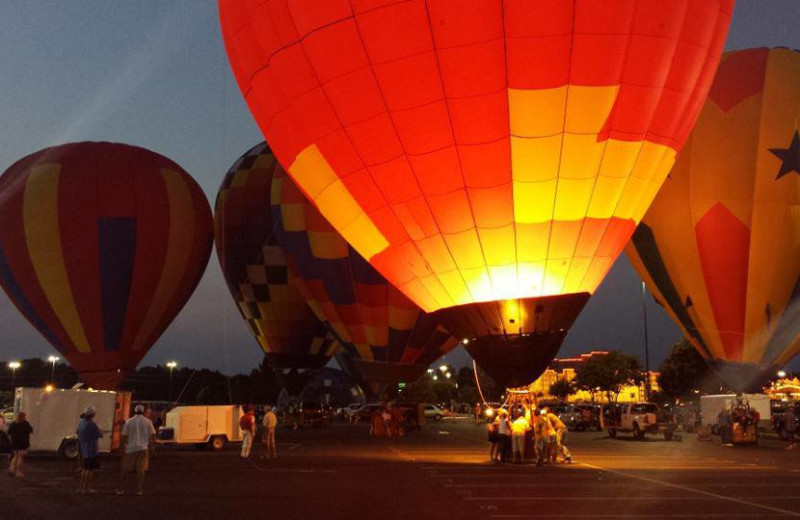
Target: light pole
[(13, 365), (53, 360), (646, 346), (171, 365), (781, 373)]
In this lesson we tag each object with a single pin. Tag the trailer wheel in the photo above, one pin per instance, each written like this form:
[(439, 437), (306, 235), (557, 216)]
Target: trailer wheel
[(218, 442), (69, 449)]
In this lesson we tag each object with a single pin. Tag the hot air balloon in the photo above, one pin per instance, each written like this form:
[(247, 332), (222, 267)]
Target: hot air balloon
[(288, 332), (490, 158), (385, 337), (101, 245), (719, 247)]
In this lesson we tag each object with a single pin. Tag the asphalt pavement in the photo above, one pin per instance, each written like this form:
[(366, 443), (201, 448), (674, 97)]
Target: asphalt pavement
[(442, 472)]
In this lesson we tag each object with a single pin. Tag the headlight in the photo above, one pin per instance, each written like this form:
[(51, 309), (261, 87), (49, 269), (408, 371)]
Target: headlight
[(489, 412)]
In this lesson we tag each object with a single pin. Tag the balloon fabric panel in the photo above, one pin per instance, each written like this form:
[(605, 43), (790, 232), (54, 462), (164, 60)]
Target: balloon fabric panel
[(86, 232), (481, 150), (372, 319), (256, 272), (725, 229)]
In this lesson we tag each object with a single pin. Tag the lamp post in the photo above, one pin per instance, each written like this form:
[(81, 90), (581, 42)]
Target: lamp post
[(53, 360), (646, 346), (14, 365), (171, 365), (781, 373)]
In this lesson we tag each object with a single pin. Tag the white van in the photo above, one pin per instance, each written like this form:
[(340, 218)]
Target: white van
[(202, 426), (54, 413)]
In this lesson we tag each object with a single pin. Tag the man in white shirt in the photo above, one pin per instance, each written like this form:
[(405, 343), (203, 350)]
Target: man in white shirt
[(137, 433)]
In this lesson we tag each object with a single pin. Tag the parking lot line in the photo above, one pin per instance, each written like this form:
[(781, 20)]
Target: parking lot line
[(615, 516), (694, 490)]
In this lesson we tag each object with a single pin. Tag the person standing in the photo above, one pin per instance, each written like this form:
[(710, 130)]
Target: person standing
[(88, 436), (725, 429), (503, 434), (248, 426), (137, 434), (494, 454), (561, 438), (476, 413), (790, 426), (270, 423), (19, 432), (543, 432), (519, 428)]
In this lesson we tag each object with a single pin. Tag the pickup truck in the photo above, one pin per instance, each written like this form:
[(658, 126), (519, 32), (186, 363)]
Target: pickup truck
[(638, 419)]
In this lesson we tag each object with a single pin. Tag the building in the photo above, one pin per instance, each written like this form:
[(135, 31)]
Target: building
[(565, 369)]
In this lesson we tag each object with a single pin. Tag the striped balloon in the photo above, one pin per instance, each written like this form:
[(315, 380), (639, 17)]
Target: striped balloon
[(101, 245), (255, 269), (386, 335)]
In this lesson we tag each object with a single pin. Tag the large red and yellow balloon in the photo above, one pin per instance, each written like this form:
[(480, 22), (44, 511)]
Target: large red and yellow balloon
[(101, 245), (256, 272), (387, 338), (720, 246), (490, 158)]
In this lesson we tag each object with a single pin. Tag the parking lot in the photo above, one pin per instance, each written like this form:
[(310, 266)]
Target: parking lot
[(440, 472)]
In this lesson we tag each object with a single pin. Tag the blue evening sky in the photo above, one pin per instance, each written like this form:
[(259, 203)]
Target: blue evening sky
[(153, 73)]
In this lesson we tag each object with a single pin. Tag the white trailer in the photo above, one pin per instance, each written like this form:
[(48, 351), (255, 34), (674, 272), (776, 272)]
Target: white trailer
[(711, 405), (202, 426), (54, 413)]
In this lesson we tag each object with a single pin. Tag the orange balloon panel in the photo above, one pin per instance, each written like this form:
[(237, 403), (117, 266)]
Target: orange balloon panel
[(478, 150), (720, 246)]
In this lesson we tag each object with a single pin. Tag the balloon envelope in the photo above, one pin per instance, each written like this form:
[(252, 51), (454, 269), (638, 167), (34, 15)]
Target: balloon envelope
[(385, 335), (719, 247), (255, 270), (480, 151), (101, 245)]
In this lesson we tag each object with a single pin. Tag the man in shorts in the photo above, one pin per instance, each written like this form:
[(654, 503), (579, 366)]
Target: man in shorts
[(88, 436), (270, 423), (19, 433), (137, 434)]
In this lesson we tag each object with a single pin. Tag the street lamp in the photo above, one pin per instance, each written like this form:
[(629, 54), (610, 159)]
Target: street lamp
[(53, 360), (171, 365), (443, 368), (646, 347), (781, 373), (13, 365)]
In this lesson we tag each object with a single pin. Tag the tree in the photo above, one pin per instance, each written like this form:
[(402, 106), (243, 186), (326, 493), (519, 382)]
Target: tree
[(609, 373), (684, 373), (561, 389)]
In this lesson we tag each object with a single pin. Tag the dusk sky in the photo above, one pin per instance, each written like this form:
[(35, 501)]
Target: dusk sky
[(154, 73)]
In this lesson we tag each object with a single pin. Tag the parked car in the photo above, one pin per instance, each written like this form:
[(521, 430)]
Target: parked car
[(638, 419), (314, 413), (581, 417), (434, 412), (366, 411)]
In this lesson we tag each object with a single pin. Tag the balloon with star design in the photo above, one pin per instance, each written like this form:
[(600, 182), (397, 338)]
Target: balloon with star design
[(720, 246)]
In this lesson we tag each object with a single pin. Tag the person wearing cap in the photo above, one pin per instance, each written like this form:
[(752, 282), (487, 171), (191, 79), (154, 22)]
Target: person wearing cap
[(19, 432), (137, 434), (88, 436)]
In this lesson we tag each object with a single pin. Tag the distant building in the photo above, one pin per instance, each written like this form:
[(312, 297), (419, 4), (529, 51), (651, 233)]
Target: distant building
[(564, 369)]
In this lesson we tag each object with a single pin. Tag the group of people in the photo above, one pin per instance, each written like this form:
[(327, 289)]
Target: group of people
[(137, 435), (529, 433), (387, 421), (249, 427), (740, 417)]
